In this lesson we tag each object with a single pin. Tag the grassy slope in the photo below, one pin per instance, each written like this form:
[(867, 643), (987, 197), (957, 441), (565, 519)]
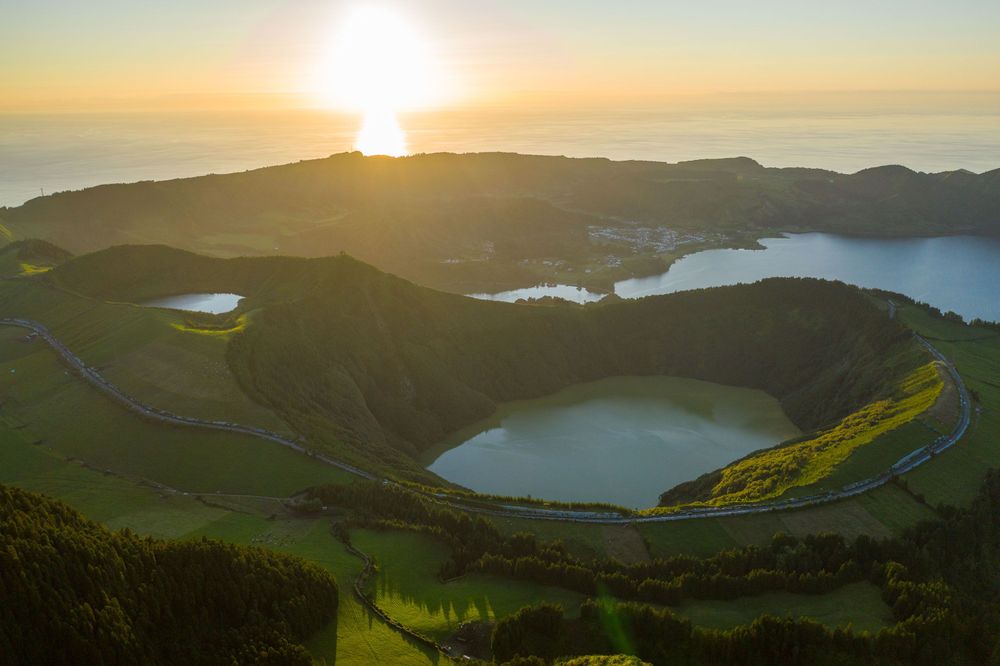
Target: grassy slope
[(354, 638), (139, 322), (50, 406), (955, 476), (28, 257), (805, 465), (142, 351), (858, 604)]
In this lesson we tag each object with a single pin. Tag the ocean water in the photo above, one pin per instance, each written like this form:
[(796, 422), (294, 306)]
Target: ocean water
[(54, 152)]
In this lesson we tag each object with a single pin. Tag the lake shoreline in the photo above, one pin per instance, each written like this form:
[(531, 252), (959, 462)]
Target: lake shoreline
[(622, 440), (892, 263)]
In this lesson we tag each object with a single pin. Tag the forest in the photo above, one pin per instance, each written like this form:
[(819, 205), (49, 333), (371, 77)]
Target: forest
[(76, 593)]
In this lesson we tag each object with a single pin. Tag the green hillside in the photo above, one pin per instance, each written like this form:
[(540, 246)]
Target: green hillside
[(408, 582), (30, 257), (489, 221), (353, 357)]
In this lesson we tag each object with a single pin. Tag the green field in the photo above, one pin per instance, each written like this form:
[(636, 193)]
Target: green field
[(955, 475), (53, 407), (859, 605), (408, 588), (141, 350), (701, 537)]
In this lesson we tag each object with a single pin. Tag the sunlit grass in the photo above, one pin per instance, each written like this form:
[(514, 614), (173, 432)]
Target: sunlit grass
[(240, 325), (32, 269), (771, 473), (408, 588)]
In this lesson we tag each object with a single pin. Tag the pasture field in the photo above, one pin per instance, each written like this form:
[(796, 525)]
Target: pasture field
[(895, 508), (54, 407), (583, 541), (955, 475), (857, 604), (702, 537), (106, 498), (144, 351), (407, 585)]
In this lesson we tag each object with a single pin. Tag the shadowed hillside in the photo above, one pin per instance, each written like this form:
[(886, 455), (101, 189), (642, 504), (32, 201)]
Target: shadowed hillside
[(28, 257), (490, 221), (336, 346)]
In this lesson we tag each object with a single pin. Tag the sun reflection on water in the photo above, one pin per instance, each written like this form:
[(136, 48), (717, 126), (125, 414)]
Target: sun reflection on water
[(381, 134)]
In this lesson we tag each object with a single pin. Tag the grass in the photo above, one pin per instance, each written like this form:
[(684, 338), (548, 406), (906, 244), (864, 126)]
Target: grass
[(74, 420), (408, 588), (241, 324), (773, 472), (48, 416), (954, 476), (700, 537), (106, 498), (40, 428), (145, 351), (356, 637), (872, 459), (353, 638), (581, 540), (859, 605), (895, 508)]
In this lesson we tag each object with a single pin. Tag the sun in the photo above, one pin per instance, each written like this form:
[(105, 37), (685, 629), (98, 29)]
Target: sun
[(379, 66)]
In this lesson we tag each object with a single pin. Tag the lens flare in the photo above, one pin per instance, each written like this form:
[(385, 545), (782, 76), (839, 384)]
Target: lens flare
[(378, 65)]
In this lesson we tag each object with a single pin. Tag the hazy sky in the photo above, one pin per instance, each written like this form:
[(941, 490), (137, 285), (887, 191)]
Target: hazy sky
[(60, 55)]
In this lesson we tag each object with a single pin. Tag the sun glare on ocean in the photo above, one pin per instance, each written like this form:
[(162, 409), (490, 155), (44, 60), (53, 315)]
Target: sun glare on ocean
[(380, 66)]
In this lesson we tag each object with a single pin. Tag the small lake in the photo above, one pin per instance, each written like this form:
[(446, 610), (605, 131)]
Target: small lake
[(211, 303), (959, 273), (623, 440)]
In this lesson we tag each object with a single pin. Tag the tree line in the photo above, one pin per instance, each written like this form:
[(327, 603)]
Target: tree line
[(74, 592), (939, 579)]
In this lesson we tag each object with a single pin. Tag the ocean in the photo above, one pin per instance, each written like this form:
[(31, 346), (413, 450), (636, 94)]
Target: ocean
[(54, 152)]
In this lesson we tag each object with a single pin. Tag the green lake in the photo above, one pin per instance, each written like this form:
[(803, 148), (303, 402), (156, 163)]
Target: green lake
[(622, 440)]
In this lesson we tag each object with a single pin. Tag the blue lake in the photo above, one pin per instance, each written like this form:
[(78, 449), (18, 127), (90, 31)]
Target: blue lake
[(960, 273)]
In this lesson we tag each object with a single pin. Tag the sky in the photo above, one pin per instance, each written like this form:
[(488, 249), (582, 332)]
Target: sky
[(57, 55)]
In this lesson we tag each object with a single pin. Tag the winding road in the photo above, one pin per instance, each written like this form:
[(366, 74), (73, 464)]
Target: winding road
[(903, 465)]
